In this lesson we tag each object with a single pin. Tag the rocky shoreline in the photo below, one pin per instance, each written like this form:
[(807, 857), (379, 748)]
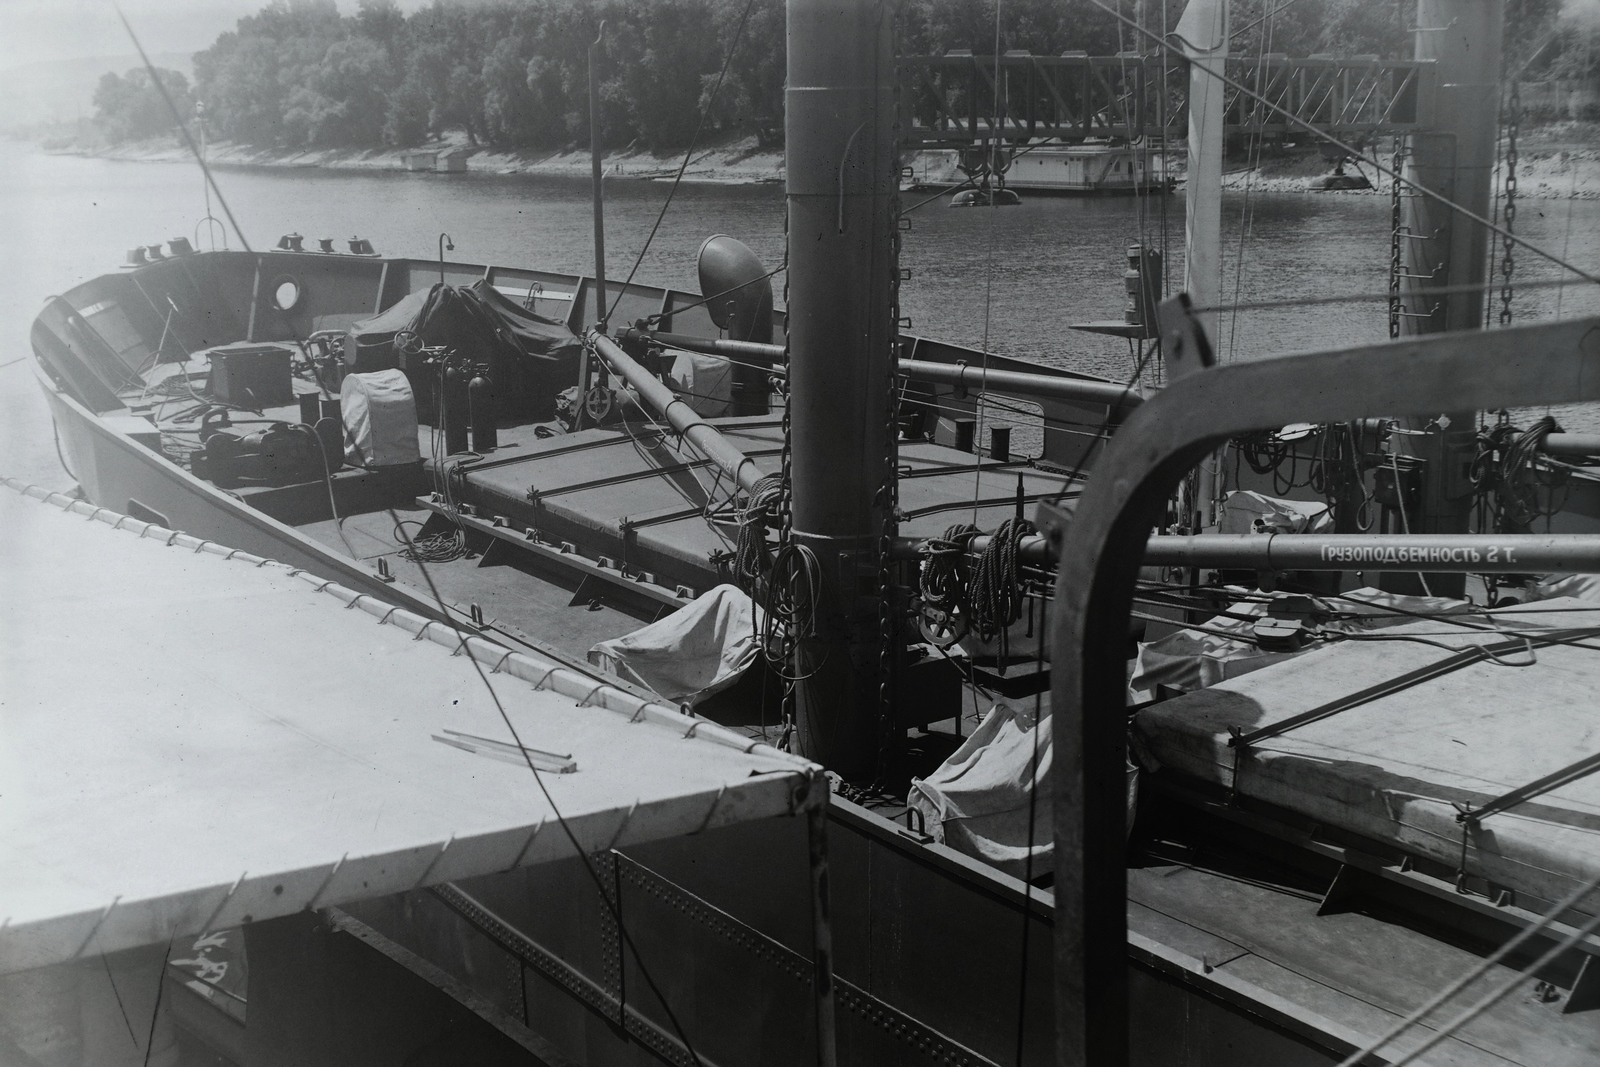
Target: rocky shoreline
[(735, 162)]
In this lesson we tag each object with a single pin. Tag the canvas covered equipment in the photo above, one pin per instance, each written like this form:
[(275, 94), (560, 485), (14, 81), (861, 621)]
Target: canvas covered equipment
[(700, 649), (529, 358), (380, 420)]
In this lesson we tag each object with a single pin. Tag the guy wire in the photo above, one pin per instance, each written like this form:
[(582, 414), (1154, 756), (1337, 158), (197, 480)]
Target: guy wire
[(444, 611), (677, 178), (566, 828), (1355, 154), (183, 129)]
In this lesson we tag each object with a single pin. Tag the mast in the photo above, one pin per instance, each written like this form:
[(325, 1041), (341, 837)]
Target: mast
[(1203, 35), (597, 186), (1439, 247), (841, 150)]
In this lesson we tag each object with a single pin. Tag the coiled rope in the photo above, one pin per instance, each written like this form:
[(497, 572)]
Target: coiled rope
[(994, 592), (941, 582), (752, 557), (794, 589)]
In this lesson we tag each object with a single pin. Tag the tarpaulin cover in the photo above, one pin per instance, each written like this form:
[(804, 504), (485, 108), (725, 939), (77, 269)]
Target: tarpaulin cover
[(977, 801), (380, 419), (530, 358), (369, 343), (1244, 512), (700, 649), (1394, 768), (1196, 659)]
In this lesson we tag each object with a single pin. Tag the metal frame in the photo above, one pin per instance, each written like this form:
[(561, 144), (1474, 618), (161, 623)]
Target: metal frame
[(1103, 548), (950, 101)]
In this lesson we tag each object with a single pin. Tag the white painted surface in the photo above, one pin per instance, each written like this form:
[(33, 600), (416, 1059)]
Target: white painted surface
[(187, 740)]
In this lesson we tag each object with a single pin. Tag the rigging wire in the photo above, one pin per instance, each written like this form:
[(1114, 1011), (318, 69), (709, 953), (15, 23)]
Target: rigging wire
[(1166, 189), (555, 809), (678, 309), (988, 257), (111, 978), (1356, 155), (327, 480), (477, 667), (1247, 208), (1027, 880), (182, 128), (155, 1012), (1105, 425), (705, 112)]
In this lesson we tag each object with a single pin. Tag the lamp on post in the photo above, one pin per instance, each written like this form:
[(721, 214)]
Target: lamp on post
[(446, 243)]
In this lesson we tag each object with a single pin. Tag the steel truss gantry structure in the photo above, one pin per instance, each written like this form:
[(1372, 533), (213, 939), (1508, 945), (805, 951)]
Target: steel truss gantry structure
[(956, 100)]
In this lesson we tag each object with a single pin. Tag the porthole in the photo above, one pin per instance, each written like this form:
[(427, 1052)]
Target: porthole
[(286, 293)]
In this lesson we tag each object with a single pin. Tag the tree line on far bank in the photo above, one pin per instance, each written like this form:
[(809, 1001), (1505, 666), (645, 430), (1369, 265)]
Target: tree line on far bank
[(512, 74)]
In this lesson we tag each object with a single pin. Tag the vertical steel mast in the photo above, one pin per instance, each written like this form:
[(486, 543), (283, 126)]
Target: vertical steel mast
[(1439, 247), (841, 154)]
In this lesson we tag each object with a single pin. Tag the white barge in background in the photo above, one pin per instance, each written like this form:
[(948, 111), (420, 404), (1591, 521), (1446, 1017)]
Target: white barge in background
[(1089, 168)]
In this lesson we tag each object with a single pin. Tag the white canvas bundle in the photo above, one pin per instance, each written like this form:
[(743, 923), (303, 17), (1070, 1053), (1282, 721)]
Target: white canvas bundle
[(380, 419)]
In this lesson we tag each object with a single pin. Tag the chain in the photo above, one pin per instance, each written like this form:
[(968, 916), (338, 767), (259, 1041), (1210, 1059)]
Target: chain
[(1395, 269), (888, 492), (1507, 263), (781, 383), (786, 490)]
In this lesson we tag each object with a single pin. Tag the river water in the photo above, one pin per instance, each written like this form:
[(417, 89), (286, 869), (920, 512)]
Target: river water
[(1012, 278)]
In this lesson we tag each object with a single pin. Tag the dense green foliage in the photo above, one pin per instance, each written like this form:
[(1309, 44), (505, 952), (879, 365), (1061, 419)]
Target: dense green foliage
[(512, 74), (129, 106), (509, 74)]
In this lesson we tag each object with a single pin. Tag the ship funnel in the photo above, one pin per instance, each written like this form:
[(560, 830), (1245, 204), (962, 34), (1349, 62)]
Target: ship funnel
[(737, 289)]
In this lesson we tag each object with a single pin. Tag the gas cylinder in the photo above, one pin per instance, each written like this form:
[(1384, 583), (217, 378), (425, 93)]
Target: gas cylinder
[(480, 401), (455, 405)]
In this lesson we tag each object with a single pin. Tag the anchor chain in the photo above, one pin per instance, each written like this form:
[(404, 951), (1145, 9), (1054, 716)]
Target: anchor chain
[(1507, 244), (1395, 269), (781, 384), (786, 489)]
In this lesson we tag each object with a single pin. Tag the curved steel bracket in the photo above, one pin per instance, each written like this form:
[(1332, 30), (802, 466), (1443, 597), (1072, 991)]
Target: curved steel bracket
[(1104, 543)]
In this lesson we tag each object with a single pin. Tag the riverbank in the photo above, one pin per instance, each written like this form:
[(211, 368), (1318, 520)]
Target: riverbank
[(739, 161), (1559, 161)]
